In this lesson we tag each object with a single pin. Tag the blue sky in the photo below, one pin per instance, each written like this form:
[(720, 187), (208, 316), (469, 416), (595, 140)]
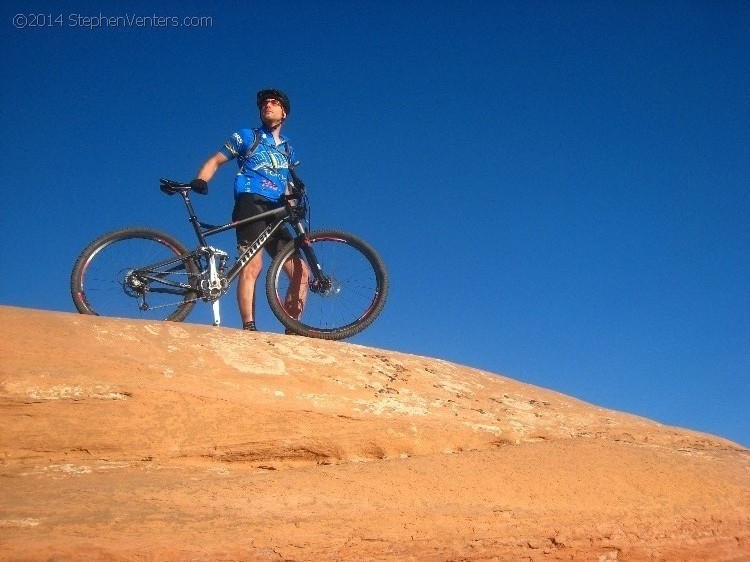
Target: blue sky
[(559, 189)]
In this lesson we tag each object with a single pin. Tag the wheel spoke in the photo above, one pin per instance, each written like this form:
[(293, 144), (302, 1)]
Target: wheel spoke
[(112, 277), (351, 299)]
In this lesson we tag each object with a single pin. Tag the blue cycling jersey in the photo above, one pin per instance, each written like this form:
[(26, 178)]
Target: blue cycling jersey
[(265, 172)]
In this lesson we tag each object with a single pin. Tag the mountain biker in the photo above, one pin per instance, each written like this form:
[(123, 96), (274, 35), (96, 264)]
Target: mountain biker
[(263, 156)]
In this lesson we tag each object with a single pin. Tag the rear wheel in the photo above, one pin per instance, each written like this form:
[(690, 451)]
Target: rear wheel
[(350, 295), (135, 273)]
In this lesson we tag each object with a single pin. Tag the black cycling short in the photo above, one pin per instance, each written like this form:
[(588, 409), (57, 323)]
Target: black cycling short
[(248, 205)]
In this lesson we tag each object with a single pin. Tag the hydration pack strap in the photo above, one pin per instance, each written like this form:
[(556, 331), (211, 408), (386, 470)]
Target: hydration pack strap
[(256, 142)]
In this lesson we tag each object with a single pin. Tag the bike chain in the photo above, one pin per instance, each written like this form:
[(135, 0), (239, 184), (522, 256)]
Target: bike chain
[(178, 302)]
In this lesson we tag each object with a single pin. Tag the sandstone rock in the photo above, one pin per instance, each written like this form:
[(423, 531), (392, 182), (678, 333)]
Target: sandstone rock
[(131, 440)]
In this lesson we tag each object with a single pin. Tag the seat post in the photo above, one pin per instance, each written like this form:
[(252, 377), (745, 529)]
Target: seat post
[(193, 218)]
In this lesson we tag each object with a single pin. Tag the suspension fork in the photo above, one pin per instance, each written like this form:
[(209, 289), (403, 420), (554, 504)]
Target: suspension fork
[(303, 244)]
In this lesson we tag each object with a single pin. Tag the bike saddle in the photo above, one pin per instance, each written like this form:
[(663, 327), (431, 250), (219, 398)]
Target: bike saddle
[(170, 187)]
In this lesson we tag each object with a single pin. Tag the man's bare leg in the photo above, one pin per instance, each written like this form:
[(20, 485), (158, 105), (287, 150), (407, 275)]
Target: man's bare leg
[(246, 288), (296, 294)]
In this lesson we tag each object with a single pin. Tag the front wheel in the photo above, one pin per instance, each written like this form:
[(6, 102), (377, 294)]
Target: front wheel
[(135, 273), (341, 302)]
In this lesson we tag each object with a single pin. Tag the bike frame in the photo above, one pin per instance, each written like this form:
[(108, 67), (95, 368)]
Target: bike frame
[(218, 285)]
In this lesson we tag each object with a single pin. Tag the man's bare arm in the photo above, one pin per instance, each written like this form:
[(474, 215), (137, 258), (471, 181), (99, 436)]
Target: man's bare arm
[(209, 168)]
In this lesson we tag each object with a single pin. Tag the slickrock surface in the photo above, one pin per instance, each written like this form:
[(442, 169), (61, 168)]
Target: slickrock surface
[(126, 440)]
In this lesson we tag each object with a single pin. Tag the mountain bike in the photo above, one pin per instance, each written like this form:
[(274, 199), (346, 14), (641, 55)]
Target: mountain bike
[(145, 273)]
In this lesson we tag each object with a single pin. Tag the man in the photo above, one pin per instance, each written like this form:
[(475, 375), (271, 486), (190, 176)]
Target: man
[(263, 156)]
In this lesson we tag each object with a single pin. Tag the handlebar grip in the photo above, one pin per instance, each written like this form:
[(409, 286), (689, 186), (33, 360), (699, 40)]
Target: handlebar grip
[(295, 178)]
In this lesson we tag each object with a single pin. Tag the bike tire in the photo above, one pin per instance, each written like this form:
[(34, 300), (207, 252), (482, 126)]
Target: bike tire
[(357, 296), (101, 281)]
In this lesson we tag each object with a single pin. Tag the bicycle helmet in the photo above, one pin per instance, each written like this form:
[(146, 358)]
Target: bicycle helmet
[(263, 95)]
